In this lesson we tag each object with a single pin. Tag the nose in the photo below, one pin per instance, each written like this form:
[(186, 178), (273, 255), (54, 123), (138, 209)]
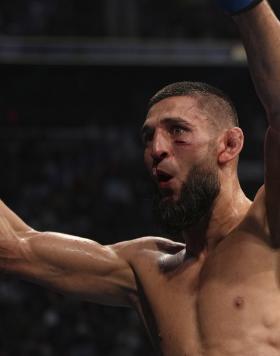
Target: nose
[(160, 147)]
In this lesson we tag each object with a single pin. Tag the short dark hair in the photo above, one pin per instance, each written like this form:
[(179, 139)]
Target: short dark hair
[(215, 99)]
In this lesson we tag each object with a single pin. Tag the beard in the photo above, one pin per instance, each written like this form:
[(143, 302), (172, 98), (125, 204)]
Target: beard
[(195, 202)]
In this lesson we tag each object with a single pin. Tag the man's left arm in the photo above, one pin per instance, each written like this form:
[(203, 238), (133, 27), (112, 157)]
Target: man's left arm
[(260, 32)]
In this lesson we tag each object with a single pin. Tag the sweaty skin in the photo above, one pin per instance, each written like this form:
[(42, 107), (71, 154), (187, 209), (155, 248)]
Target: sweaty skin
[(218, 293), (225, 302), (222, 302)]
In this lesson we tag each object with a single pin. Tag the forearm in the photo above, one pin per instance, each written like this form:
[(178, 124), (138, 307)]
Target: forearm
[(45, 255), (32, 254), (260, 31), (19, 242), (67, 253), (68, 264)]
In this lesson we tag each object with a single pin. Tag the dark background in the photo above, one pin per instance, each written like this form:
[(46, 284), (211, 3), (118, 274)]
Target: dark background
[(71, 155)]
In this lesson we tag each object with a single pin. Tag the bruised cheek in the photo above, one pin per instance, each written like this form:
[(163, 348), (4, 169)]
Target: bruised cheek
[(190, 155), (186, 152)]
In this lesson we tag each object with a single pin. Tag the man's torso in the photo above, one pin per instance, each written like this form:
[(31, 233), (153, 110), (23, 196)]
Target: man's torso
[(222, 304)]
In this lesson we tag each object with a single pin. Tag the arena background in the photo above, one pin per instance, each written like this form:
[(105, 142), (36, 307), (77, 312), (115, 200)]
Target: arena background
[(75, 80)]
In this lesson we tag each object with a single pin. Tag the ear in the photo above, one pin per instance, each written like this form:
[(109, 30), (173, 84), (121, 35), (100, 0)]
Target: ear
[(230, 144)]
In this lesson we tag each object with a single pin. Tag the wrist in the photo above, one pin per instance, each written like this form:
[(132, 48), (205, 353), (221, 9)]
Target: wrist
[(235, 7)]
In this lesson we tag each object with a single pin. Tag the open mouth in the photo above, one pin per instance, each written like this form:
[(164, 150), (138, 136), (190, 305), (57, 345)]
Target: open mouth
[(163, 177)]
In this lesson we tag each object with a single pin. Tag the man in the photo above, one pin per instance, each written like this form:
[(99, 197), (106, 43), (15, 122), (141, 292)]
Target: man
[(218, 294)]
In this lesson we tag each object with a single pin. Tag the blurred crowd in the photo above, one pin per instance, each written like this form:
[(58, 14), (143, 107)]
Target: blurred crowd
[(115, 18)]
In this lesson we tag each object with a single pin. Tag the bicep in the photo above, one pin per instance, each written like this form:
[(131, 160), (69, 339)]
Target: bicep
[(272, 181), (77, 266)]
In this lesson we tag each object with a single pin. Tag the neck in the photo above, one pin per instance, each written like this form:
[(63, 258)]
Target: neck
[(228, 210)]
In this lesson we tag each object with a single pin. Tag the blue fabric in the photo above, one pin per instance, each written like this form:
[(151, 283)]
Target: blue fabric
[(236, 6)]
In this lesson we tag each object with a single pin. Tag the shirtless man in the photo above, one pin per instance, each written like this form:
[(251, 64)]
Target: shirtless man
[(218, 294)]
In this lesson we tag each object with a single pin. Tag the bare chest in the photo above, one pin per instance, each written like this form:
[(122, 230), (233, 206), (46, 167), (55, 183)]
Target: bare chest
[(226, 304)]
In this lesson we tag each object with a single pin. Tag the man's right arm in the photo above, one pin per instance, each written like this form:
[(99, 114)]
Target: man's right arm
[(68, 264)]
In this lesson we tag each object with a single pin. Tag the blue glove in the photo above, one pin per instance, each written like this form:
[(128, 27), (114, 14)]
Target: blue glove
[(234, 7)]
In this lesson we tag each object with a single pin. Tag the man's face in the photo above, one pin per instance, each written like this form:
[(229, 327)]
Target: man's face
[(180, 156)]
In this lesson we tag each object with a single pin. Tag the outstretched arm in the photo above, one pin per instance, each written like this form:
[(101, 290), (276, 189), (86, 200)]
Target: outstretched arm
[(66, 263), (260, 32)]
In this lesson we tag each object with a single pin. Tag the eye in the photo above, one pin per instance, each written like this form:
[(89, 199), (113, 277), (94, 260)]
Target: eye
[(177, 130)]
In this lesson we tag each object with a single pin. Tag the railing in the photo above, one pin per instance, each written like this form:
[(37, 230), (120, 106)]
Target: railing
[(64, 51)]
